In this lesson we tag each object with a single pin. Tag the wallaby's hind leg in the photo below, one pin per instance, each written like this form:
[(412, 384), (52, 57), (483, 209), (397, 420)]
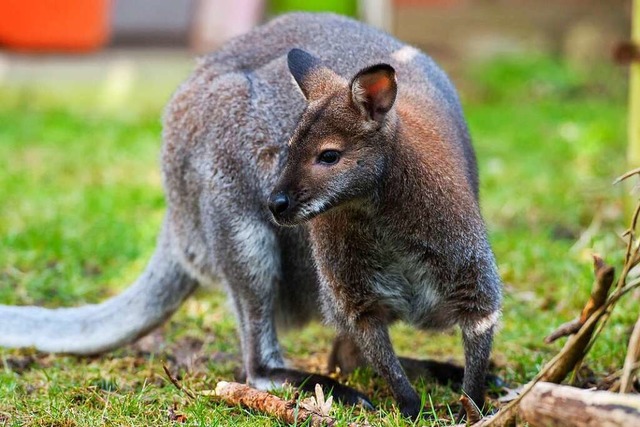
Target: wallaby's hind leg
[(442, 372), (252, 274), (251, 271)]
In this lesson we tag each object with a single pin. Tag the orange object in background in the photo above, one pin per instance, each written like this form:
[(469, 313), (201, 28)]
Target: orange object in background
[(54, 25)]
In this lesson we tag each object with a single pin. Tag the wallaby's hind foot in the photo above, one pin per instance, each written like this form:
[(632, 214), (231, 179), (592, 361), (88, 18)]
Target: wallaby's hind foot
[(442, 372), (273, 378)]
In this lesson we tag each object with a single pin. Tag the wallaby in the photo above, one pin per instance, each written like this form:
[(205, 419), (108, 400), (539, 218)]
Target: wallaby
[(364, 156)]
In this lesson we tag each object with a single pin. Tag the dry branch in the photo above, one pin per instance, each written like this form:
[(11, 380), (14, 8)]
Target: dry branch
[(601, 286), (240, 394), (617, 374), (575, 349), (556, 405), (176, 383), (564, 330), (629, 174)]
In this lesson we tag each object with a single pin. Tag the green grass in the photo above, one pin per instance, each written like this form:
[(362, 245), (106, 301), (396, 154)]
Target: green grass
[(81, 202)]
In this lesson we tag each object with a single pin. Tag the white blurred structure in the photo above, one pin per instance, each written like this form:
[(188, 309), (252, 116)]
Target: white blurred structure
[(378, 13), (216, 21)]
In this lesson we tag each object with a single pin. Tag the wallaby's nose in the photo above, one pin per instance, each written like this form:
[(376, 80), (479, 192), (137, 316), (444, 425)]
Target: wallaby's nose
[(278, 203)]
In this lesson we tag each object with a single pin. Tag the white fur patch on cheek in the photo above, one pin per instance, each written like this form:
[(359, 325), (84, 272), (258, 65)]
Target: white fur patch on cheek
[(405, 54), (314, 207), (483, 325)]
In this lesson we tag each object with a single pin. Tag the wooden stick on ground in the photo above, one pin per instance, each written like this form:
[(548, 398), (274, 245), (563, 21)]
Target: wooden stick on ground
[(556, 405), (287, 411)]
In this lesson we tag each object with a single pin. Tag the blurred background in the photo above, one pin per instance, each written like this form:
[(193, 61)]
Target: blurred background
[(119, 44)]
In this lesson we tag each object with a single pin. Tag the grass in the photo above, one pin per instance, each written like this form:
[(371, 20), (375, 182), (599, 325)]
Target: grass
[(81, 202)]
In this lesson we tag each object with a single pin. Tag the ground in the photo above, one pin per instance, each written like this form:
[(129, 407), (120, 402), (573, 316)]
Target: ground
[(81, 202)]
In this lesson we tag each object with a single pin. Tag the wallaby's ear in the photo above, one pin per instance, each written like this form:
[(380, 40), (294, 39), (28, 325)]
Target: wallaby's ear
[(373, 91), (312, 76)]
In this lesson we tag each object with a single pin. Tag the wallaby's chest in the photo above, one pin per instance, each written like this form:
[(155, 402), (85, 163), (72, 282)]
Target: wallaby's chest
[(369, 268), (410, 289)]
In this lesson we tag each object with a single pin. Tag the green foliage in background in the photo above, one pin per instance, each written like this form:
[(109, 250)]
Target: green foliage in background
[(81, 202)]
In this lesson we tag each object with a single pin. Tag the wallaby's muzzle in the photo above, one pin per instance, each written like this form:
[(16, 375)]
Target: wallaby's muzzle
[(283, 207), (278, 203)]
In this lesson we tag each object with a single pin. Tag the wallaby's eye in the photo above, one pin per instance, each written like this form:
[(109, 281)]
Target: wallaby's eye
[(329, 157)]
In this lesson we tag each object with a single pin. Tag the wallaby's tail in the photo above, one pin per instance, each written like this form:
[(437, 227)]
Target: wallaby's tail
[(96, 328)]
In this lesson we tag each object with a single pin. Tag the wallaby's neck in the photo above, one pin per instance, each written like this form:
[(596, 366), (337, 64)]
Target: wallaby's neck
[(422, 192), (405, 179), (423, 170)]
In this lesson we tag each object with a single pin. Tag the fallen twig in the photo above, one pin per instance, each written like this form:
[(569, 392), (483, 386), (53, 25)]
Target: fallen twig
[(290, 412), (617, 374), (629, 174), (175, 382), (564, 330)]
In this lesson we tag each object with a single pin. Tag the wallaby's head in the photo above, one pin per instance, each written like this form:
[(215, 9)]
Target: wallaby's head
[(339, 151)]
